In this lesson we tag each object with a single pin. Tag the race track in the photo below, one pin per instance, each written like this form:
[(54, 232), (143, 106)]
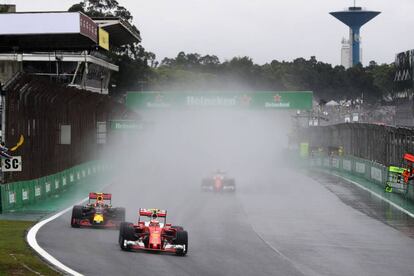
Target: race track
[(290, 225), (279, 222)]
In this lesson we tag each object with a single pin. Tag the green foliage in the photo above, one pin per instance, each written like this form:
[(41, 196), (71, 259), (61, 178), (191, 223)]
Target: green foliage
[(102, 8), (383, 77), (3, 9), (196, 72)]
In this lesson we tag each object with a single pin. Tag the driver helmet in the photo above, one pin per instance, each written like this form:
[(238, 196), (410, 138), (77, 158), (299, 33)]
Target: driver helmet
[(99, 202)]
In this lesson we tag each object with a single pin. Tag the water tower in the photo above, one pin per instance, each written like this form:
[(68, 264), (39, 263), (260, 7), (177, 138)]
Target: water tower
[(355, 18)]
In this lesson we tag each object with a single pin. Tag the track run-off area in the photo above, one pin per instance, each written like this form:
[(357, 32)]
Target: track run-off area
[(280, 221)]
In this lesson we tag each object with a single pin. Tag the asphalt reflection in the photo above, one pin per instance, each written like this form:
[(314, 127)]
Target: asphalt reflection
[(367, 203)]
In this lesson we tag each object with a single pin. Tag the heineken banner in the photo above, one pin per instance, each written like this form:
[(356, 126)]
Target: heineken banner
[(253, 100), (126, 125)]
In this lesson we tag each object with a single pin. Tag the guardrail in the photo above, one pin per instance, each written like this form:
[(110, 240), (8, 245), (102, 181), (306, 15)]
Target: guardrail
[(368, 170), (17, 195)]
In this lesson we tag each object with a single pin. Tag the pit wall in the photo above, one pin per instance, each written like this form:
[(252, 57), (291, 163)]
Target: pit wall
[(18, 195), (358, 167)]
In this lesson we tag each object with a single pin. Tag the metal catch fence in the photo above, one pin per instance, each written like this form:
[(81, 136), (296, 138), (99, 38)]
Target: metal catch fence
[(44, 112), (382, 144)]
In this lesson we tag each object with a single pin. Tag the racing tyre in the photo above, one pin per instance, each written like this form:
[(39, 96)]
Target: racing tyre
[(179, 228), (181, 239), (126, 233), (232, 185), (76, 216), (205, 185)]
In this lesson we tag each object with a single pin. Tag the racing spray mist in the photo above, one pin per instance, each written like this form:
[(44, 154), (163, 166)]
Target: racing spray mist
[(162, 165)]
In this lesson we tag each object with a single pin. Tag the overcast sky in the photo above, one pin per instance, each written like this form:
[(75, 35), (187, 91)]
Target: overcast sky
[(261, 29)]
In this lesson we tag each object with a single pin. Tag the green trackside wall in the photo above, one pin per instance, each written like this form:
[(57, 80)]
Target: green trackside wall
[(368, 170), (17, 195)]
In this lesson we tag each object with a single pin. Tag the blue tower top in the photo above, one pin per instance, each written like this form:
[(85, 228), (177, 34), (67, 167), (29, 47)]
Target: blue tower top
[(355, 18)]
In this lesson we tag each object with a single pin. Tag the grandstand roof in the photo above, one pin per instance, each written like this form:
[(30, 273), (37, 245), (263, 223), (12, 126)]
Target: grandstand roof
[(50, 31), (121, 32)]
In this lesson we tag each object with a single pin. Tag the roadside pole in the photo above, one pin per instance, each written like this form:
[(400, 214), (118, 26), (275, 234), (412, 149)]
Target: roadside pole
[(2, 138), (3, 126)]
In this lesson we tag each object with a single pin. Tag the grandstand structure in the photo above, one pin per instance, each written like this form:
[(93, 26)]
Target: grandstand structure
[(404, 88), (55, 73), (68, 47)]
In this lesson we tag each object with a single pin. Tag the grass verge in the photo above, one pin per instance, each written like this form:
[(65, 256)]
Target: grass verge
[(16, 257)]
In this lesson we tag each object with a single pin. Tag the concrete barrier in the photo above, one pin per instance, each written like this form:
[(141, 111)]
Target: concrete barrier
[(369, 170)]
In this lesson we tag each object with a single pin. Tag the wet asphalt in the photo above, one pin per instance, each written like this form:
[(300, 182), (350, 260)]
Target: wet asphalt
[(286, 224), (280, 221)]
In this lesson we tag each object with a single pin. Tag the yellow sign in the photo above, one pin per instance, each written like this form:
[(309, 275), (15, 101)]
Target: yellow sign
[(103, 39), (19, 144)]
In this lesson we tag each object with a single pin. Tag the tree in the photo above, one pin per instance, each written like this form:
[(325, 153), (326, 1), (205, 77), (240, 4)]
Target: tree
[(196, 72), (102, 8), (383, 76)]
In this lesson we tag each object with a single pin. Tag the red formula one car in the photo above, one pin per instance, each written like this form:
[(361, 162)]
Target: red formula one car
[(153, 235), (97, 213), (218, 182)]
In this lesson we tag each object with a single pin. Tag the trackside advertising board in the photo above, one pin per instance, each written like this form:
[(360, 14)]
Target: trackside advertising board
[(264, 100), (104, 39), (126, 125), (19, 195)]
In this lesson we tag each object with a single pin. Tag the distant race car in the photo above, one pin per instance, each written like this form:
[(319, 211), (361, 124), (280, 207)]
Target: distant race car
[(218, 182), (97, 213), (153, 235)]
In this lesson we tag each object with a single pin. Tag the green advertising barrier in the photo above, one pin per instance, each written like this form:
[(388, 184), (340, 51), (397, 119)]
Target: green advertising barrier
[(304, 150), (16, 195), (369, 170), (264, 100)]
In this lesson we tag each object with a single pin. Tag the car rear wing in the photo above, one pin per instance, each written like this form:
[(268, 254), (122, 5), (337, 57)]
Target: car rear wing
[(409, 157), (151, 212), (100, 196)]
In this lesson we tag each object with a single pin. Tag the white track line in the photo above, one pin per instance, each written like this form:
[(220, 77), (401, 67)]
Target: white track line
[(31, 239), (375, 194), (278, 252), (24, 265)]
